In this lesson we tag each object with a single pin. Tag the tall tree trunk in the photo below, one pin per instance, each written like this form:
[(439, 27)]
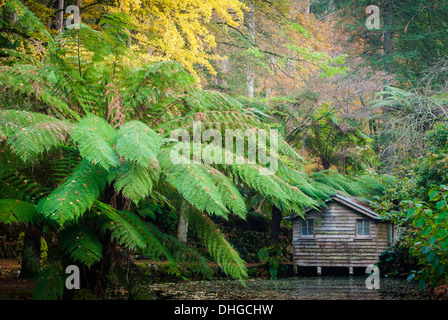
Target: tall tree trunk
[(250, 82), (60, 16), (224, 66), (276, 221), (272, 61), (250, 77), (31, 252), (388, 35), (182, 228), (307, 9)]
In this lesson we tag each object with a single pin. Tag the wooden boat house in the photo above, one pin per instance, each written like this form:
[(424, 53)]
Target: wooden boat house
[(346, 233)]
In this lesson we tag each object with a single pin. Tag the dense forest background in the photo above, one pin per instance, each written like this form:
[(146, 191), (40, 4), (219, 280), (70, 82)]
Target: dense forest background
[(92, 96)]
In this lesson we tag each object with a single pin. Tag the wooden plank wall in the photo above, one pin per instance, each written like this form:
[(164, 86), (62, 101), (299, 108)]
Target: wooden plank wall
[(335, 242)]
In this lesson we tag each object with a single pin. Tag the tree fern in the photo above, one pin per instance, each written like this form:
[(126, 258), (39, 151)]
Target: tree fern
[(138, 143), (67, 203), (194, 184), (81, 243), (134, 181), (49, 283), (34, 140), (95, 137), (218, 246), (17, 211), (131, 232)]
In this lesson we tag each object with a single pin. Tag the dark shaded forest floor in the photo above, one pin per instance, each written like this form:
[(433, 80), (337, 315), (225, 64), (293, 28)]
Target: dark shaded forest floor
[(11, 286)]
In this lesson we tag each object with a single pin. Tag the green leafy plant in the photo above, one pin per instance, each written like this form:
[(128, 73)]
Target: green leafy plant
[(430, 222), (271, 256)]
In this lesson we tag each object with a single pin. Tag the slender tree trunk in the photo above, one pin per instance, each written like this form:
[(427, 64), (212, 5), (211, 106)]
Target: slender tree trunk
[(388, 35), (182, 228), (250, 82), (60, 16), (272, 61), (250, 77), (276, 221), (224, 65)]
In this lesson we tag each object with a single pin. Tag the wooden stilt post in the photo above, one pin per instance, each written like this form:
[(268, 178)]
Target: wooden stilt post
[(350, 271), (319, 271)]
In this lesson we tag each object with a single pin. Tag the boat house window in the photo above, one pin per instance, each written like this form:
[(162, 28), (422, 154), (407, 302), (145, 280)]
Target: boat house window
[(307, 227), (363, 227)]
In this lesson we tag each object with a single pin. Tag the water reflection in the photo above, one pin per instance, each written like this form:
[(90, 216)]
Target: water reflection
[(295, 288)]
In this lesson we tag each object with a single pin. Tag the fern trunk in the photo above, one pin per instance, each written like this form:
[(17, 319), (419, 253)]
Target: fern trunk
[(97, 274), (31, 252), (182, 228), (276, 221)]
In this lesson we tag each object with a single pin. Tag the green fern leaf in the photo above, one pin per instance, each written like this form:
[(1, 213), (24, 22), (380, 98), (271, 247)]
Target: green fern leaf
[(131, 232), (218, 246), (81, 244), (95, 138), (69, 202), (33, 140), (17, 211), (138, 143), (194, 184), (122, 229), (49, 283), (134, 180), (231, 197)]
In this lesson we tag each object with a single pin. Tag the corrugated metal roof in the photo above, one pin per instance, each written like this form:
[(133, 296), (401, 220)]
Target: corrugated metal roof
[(353, 203)]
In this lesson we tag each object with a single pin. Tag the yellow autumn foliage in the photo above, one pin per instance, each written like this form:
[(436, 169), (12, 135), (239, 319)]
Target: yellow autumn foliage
[(176, 29)]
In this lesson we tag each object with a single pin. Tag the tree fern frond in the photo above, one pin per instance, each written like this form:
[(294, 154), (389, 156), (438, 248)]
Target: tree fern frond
[(134, 181), (218, 246), (33, 140), (17, 183), (13, 121), (188, 258), (26, 20), (138, 143), (121, 229), (133, 233), (339, 183), (49, 283), (194, 184), (64, 162), (266, 185), (68, 202), (17, 211), (95, 138), (81, 243), (229, 192)]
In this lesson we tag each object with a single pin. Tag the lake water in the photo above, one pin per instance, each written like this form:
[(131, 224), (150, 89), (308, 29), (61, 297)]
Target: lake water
[(295, 288)]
